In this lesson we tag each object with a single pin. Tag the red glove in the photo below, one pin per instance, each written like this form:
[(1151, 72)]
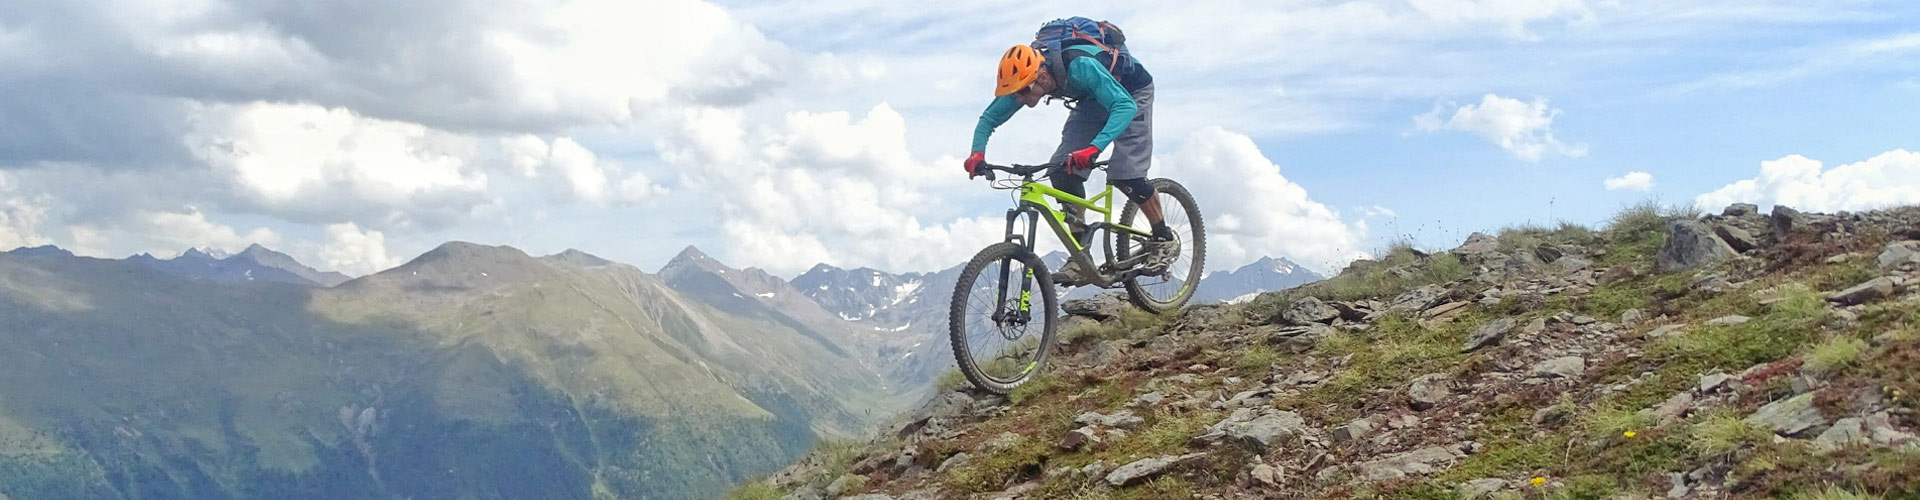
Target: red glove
[(973, 163), (1082, 159)]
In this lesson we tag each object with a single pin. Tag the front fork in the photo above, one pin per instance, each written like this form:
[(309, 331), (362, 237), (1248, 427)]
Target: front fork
[(1023, 310)]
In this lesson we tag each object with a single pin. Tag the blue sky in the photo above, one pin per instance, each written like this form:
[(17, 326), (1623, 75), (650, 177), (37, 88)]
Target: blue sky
[(782, 134)]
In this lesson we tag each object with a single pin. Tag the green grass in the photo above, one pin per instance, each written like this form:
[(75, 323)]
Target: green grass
[(1835, 353), (1256, 360), (1608, 301), (838, 455), (992, 471), (1615, 422), (1395, 351), (1377, 280), (756, 490), (1786, 326), (1585, 487), (1835, 493), (1168, 432), (952, 380), (1720, 433), (1637, 231), (1846, 275), (1040, 385)]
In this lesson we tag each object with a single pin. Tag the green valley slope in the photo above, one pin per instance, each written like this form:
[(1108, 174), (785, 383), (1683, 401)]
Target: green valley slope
[(472, 371)]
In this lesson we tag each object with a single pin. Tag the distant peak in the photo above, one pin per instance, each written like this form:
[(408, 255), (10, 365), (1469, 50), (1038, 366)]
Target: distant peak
[(691, 254), (693, 258), (42, 250), (457, 250), (257, 250), (578, 257)]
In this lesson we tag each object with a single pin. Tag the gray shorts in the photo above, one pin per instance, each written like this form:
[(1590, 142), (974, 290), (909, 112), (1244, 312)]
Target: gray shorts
[(1132, 152)]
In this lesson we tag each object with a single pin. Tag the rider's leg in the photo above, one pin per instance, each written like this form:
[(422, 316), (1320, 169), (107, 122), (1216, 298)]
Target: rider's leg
[(1132, 157), (1082, 125)]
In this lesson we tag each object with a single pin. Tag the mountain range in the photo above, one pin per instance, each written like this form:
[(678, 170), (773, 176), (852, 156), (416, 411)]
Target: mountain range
[(252, 375)]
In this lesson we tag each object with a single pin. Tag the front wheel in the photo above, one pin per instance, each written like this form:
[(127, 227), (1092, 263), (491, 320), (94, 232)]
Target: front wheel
[(1000, 334), (1171, 289)]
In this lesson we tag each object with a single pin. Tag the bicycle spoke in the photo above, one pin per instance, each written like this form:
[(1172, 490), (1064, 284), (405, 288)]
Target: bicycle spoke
[(1002, 350)]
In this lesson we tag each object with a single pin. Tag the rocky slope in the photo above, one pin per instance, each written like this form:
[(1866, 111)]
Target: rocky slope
[(1739, 355)]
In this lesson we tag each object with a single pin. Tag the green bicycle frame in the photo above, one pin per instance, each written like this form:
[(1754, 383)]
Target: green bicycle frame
[(1033, 199), (1037, 194)]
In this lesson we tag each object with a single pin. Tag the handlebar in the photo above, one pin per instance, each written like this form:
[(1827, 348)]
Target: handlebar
[(988, 169)]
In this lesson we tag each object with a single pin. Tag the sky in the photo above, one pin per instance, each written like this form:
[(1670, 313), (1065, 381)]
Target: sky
[(355, 135)]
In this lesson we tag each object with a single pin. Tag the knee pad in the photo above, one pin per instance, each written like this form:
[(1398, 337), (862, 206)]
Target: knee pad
[(1138, 190)]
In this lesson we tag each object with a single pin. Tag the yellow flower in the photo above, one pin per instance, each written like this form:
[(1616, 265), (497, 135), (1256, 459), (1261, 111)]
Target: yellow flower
[(1629, 433), (1538, 481)]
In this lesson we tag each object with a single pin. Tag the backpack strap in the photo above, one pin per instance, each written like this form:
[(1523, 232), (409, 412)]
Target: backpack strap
[(1096, 42)]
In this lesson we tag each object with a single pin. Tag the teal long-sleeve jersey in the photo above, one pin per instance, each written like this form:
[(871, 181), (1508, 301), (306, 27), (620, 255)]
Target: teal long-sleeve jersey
[(1087, 79)]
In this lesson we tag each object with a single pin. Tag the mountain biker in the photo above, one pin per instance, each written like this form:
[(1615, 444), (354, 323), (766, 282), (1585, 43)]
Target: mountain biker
[(1122, 118)]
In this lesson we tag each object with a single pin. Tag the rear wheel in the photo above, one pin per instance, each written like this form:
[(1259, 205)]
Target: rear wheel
[(1170, 290), (1000, 334)]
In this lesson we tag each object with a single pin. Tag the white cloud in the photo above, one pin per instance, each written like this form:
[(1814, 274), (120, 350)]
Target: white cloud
[(1890, 179), (579, 174), (1253, 211), (352, 251), (192, 229), (1522, 128), (1378, 211), (302, 161), (1631, 181), (823, 187), (20, 216)]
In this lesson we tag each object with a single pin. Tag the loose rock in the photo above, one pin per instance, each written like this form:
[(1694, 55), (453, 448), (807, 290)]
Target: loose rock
[(1569, 367), (1101, 308), (1429, 390), (1792, 417), (1899, 255), (1713, 382), (1665, 331), (1739, 239), (1078, 437), (1144, 468), (1488, 334), (1690, 244), (1309, 311), (1358, 429), (1266, 474), (1729, 320), (1413, 463), (1872, 290)]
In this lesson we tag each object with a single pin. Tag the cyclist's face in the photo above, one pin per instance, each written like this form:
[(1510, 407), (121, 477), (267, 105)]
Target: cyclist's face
[(1030, 96)]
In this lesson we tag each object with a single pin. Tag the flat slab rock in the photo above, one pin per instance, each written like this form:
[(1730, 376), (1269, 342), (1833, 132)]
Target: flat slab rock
[(1418, 462), (1792, 417), (1569, 367), (1145, 468)]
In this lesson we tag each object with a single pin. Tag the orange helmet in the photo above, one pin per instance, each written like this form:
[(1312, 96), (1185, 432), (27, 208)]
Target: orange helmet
[(1017, 69)]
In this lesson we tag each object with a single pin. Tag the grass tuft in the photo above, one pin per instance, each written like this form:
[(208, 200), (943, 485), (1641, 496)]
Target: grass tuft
[(756, 490), (1721, 433), (1835, 493), (1835, 353)]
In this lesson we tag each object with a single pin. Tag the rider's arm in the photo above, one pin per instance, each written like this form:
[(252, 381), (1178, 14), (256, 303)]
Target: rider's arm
[(1091, 75), (998, 112)]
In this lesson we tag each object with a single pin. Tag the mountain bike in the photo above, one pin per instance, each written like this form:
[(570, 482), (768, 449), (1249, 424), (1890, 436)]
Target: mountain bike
[(992, 321)]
